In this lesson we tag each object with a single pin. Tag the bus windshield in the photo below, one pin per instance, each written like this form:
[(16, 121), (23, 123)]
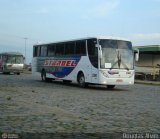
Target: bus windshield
[(116, 54), (15, 59)]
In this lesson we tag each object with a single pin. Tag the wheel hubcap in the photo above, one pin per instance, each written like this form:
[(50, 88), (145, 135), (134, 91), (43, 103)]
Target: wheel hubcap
[(82, 80)]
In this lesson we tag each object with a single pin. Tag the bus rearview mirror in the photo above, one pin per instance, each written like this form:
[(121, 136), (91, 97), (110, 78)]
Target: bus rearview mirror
[(100, 51), (100, 54), (137, 56), (136, 51)]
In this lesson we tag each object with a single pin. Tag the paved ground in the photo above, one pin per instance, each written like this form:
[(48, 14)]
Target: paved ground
[(29, 105)]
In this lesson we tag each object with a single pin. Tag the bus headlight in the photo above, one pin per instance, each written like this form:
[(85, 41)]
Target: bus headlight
[(104, 73), (104, 82)]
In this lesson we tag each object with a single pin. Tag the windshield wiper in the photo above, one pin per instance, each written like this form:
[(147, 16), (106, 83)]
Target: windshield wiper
[(114, 65), (119, 61), (125, 66)]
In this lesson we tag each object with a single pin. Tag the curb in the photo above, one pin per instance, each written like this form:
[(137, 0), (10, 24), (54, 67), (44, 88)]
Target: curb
[(147, 82)]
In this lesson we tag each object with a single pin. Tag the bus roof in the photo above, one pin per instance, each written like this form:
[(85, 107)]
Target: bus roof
[(98, 37), (11, 53)]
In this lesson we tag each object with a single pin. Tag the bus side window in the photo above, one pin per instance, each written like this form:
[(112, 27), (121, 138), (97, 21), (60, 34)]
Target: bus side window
[(93, 52), (51, 50), (60, 49), (69, 48), (35, 50), (39, 51), (81, 48), (43, 51)]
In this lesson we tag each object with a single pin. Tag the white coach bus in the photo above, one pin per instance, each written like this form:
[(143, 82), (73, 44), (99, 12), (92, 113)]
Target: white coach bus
[(96, 60), (11, 62)]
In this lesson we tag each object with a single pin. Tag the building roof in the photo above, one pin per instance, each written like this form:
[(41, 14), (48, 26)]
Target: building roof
[(149, 48)]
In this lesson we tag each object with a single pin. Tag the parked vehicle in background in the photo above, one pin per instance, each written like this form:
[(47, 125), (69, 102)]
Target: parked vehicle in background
[(96, 60), (148, 66), (11, 62)]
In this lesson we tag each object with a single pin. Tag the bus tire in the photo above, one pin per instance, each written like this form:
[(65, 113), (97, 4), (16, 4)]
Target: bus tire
[(18, 73), (110, 86), (81, 80)]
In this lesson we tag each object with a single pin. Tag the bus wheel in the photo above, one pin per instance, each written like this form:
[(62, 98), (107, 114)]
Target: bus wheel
[(43, 75), (110, 86), (81, 80), (18, 73)]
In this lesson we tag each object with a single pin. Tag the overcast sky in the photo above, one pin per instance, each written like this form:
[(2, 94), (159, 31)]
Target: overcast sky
[(54, 20)]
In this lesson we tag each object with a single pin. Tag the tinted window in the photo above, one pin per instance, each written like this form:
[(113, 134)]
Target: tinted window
[(38, 51), (80, 48), (118, 44), (93, 52), (43, 51), (35, 51), (51, 50), (60, 49), (124, 45), (70, 48), (14, 59), (108, 43)]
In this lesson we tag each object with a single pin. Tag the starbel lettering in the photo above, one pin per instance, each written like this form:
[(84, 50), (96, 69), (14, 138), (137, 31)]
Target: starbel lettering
[(60, 63)]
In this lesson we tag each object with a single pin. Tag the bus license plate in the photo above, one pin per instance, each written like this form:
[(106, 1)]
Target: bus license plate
[(119, 80)]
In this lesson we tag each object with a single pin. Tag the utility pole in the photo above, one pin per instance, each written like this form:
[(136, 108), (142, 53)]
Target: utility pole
[(25, 39)]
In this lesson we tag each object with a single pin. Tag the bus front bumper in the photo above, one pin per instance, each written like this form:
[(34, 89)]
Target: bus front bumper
[(117, 81)]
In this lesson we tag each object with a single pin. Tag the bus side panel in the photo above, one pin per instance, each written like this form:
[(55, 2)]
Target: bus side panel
[(60, 71), (64, 68), (83, 66)]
